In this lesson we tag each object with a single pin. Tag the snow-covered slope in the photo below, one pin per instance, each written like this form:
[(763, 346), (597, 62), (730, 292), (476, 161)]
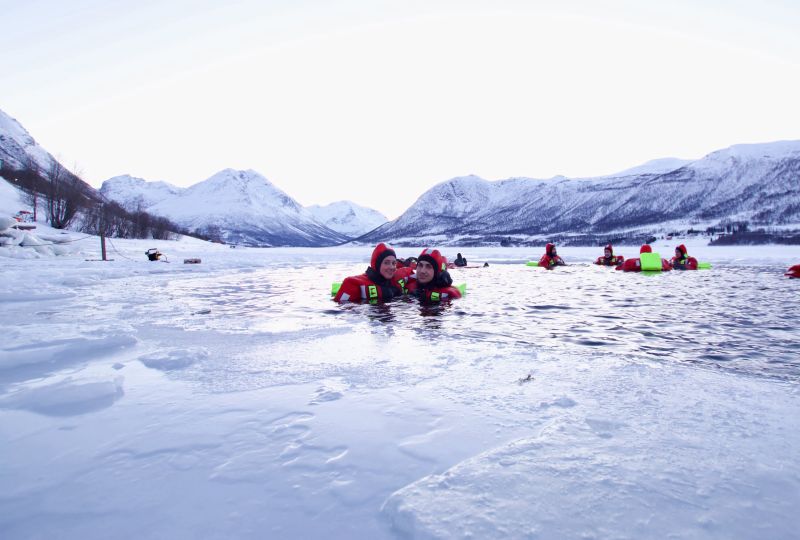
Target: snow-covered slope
[(655, 166), (756, 183), (10, 199), (18, 149), (130, 191), (348, 218), (244, 207)]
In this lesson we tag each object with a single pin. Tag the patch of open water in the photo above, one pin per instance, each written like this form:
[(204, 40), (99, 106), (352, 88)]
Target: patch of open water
[(738, 318)]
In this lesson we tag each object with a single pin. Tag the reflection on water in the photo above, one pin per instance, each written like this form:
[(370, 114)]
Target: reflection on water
[(734, 318)]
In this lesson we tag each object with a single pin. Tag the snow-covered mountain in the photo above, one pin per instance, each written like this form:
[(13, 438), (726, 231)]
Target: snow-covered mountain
[(756, 183), (348, 218), (759, 183), (18, 149), (132, 192), (237, 206)]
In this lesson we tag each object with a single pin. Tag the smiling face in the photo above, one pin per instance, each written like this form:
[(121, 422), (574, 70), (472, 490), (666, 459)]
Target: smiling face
[(678, 253), (425, 272), (607, 253), (388, 267)]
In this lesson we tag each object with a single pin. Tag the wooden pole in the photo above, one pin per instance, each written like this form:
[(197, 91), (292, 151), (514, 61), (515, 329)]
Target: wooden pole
[(103, 245)]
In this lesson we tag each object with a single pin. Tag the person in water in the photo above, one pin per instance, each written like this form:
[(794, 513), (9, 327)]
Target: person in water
[(408, 262), (378, 283), (793, 272), (551, 258), (608, 258), (431, 282), (635, 265), (682, 261), (460, 261)]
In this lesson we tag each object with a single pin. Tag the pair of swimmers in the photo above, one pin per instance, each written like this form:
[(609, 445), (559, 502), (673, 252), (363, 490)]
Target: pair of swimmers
[(383, 280), (681, 260)]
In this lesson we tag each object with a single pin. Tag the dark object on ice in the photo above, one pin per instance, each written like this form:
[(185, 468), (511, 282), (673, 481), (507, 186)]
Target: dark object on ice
[(191, 261), (153, 254), (460, 261), (485, 264), (529, 378)]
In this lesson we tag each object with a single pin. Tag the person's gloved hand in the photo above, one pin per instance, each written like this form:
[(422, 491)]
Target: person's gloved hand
[(444, 279)]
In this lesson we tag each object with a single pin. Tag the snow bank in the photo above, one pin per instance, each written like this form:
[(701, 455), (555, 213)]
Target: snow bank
[(24, 244)]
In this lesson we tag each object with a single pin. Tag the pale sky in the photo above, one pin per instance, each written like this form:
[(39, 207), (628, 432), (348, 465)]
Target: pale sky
[(377, 101)]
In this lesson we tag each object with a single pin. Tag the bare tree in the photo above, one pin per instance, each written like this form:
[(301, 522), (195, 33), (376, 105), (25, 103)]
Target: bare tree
[(63, 196), (31, 184)]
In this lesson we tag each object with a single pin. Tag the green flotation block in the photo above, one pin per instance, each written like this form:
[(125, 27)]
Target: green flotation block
[(335, 288), (651, 262), (704, 266), (532, 263)]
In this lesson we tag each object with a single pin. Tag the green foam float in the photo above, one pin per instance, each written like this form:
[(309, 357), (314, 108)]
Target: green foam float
[(650, 262), (532, 263)]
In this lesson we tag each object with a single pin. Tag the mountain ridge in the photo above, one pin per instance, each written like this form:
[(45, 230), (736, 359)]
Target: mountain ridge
[(757, 183), (752, 182)]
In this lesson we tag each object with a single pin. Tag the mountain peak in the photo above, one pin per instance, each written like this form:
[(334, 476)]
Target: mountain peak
[(348, 218)]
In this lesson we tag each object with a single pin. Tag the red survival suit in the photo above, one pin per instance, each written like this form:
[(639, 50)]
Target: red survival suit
[(371, 286), (612, 260), (635, 265), (684, 262), (793, 272), (550, 258), (440, 287)]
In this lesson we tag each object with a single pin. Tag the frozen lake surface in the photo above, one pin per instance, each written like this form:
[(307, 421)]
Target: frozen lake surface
[(233, 399)]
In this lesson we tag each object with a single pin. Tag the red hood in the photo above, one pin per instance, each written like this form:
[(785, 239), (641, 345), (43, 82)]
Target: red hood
[(645, 249), (380, 252), (434, 257)]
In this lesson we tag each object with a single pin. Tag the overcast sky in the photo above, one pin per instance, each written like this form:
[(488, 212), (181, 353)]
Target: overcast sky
[(377, 101)]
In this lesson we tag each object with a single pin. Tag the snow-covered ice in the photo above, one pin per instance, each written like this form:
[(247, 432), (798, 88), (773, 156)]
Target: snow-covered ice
[(233, 399)]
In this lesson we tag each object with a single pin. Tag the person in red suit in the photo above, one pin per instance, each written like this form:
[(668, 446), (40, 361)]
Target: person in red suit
[(682, 261), (378, 283), (431, 282), (608, 258), (550, 259), (793, 272), (635, 265)]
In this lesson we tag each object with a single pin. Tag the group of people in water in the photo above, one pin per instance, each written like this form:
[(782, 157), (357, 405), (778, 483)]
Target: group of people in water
[(681, 260), (387, 277), (426, 277)]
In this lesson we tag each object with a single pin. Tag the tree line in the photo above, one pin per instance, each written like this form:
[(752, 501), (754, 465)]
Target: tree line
[(69, 201)]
